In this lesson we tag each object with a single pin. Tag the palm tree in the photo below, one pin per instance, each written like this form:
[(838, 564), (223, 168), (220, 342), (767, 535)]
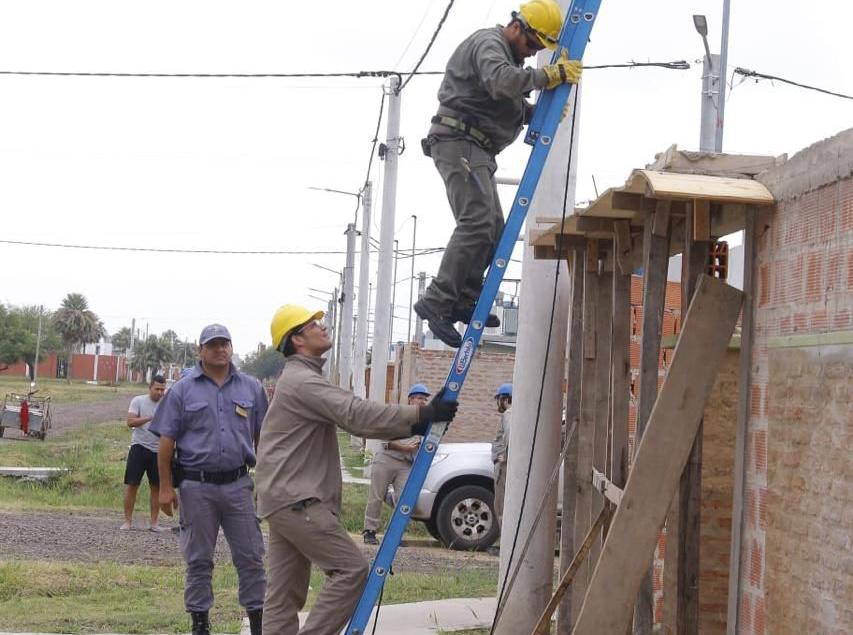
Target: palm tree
[(77, 325), (150, 354)]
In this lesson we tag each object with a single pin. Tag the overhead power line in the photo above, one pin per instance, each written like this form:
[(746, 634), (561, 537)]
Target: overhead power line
[(166, 250), (429, 46), (745, 72), (677, 65)]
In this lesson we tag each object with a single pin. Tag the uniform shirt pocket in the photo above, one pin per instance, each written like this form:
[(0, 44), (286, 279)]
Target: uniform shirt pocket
[(195, 412)]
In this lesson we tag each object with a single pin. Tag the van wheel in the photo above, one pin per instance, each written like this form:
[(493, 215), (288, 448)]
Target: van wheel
[(466, 519), (433, 529)]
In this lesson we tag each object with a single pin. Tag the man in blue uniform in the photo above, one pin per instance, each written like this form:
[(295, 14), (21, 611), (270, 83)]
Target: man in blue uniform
[(210, 422)]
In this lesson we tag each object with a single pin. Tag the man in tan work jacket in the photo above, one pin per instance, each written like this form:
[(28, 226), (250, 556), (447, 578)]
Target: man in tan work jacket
[(298, 477)]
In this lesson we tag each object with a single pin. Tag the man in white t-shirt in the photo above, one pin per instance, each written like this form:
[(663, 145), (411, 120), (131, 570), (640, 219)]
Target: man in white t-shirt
[(142, 457)]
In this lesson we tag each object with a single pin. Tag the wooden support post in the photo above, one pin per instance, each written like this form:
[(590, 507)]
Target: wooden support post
[(586, 426), (622, 246), (603, 331), (656, 239), (543, 626), (573, 404), (620, 388), (743, 408), (694, 263), (661, 457)]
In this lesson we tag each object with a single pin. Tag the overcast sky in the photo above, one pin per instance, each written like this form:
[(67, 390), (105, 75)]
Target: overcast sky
[(226, 163)]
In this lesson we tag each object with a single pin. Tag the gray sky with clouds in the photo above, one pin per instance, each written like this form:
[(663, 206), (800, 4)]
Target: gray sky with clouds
[(226, 163)]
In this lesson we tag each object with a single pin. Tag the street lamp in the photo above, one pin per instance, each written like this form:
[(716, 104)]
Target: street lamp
[(334, 191), (710, 90)]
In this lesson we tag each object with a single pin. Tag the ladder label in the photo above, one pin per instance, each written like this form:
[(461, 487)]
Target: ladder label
[(466, 354)]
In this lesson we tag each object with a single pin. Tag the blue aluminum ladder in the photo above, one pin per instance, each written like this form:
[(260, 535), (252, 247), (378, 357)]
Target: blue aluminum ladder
[(543, 126)]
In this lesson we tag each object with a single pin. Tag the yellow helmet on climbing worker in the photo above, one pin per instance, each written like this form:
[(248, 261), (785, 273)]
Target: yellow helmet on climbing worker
[(544, 18), (287, 319)]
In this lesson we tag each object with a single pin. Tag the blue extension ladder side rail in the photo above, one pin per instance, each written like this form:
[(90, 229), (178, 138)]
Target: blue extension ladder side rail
[(542, 128)]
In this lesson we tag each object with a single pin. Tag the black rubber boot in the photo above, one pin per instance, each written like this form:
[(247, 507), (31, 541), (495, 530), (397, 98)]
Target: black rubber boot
[(256, 620), (441, 326), (465, 315), (201, 625)]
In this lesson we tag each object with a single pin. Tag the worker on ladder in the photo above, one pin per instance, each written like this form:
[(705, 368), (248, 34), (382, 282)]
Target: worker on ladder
[(482, 109), (298, 476)]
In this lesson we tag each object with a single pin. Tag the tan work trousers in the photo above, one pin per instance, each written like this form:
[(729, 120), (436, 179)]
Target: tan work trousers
[(300, 536), (384, 470), (500, 488)]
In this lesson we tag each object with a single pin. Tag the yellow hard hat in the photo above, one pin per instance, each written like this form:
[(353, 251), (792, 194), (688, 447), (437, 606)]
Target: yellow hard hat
[(289, 317), (544, 18)]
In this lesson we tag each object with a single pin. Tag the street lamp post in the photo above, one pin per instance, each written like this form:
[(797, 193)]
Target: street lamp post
[(412, 278)]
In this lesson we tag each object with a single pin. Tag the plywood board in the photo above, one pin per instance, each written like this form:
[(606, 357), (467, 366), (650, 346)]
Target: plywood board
[(661, 456), (691, 186)]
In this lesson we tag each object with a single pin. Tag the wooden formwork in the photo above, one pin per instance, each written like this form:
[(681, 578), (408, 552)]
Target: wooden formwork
[(615, 507)]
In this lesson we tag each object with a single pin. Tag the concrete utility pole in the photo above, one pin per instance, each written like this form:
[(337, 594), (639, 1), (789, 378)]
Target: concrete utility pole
[(360, 357), (412, 277), (38, 348), (419, 323), (724, 60), (346, 311), (534, 583), (130, 349), (710, 89), (383, 308)]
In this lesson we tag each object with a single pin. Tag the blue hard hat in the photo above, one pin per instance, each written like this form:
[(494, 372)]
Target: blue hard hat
[(418, 389), (504, 390)]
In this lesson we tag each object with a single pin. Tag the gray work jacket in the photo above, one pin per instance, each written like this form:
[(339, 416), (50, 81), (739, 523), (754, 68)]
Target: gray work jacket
[(484, 84)]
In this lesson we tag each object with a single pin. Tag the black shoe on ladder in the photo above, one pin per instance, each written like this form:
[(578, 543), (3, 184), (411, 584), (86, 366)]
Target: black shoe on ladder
[(441, 327)]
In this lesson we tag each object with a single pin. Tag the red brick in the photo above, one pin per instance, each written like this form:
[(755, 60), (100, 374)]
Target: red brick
[(760, 450), (815, 289), (845, 207), (764, 284), (758, 617), (841, 321), (833, 270), (756, 401), (762, 507), (756, 563), (828, 211), (746, 612)]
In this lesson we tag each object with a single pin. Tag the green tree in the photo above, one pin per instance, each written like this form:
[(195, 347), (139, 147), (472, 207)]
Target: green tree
[(150, 354), (77, 325), (121, 340), (266, 363), (19, 327)]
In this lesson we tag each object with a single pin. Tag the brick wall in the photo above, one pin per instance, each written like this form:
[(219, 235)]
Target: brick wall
[(477, 417), (804, 287)]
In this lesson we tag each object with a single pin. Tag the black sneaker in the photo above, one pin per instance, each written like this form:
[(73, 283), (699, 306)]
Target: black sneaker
[(369, 537), (201, 624), (465, 315), (440, 326)]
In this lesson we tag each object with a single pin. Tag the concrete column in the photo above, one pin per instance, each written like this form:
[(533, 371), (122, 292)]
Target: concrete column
[(360, 356), (533, 586), (382, 311), (346, 311)]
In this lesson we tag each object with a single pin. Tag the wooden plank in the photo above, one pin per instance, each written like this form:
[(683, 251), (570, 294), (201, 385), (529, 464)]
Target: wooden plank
[(592, 224), (620, 388), (543, 626), (660, 220), (631, 202), (603, 331), (661, 457), (701, 220), (690, 186), (694, 264), (586, 427), (606, 487), (743, 409), (622, 248), (655, 262), (573, 405)]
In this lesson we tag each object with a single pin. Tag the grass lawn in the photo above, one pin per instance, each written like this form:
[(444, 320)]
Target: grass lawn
[(38, 596), (63, 392)]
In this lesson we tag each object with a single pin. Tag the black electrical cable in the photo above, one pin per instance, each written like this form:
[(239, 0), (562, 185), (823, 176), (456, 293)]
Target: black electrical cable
[(375, 139), (676, 65), (542, 382), (429, 46), (165, 250), (755, 74)]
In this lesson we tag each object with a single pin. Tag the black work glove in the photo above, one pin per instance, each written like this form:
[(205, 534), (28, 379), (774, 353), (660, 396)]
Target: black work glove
[(436, 411)]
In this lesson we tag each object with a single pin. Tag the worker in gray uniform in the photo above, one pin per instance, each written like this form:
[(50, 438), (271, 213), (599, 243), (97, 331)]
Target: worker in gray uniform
[(500, 446), (299, 477), (209, 422), (391, 465), (482, 109)]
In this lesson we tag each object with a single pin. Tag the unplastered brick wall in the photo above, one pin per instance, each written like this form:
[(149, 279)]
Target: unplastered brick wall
[(477, 418), (804, 289)]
